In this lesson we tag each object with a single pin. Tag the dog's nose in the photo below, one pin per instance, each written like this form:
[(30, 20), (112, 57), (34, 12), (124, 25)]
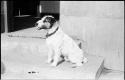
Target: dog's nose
[(36, 24), (39, 28)]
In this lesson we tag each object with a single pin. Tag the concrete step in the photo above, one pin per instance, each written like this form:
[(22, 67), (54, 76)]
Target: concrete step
[(22, 56), (19, 66)]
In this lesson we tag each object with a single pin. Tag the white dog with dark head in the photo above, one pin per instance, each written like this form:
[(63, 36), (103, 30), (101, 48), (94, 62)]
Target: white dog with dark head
[(59, 43)]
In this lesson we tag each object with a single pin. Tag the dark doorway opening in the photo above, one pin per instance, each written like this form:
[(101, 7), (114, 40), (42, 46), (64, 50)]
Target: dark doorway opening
[(27, 7), (24, 14)]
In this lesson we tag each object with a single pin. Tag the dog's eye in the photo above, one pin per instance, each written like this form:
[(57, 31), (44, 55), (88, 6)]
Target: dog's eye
[(45, 21), (48, 19)]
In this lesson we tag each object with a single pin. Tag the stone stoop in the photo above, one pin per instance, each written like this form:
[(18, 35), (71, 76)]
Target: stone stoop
[(26, 59)]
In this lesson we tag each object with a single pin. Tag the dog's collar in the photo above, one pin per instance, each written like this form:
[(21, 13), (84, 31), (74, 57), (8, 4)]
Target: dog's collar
[(49, 34)]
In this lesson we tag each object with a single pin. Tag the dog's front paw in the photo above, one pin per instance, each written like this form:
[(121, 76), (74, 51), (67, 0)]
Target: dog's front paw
[(79, 64), (54, 64)]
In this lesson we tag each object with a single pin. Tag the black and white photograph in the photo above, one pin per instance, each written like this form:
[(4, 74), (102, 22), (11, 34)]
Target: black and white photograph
[(62, 40)]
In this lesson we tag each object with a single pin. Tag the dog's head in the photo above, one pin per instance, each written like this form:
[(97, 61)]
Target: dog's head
[(46, 22)]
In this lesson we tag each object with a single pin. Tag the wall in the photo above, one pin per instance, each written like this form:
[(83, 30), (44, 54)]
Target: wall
[(103, 9), (50, 6), (100, 24)]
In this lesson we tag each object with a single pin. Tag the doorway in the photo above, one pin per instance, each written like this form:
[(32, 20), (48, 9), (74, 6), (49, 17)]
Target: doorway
[(24, 14), (28, 12)]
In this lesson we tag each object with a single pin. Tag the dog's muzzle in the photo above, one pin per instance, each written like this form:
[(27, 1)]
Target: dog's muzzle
[(42, 27), (39, 27), (36, 24)]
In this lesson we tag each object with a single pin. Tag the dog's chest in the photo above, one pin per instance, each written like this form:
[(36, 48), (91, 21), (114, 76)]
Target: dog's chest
[(54, 40)]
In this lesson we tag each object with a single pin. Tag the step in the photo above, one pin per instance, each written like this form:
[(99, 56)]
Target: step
[(22, 56)]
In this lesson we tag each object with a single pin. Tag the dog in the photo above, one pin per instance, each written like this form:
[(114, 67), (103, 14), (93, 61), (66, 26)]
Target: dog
[(59, 43)]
